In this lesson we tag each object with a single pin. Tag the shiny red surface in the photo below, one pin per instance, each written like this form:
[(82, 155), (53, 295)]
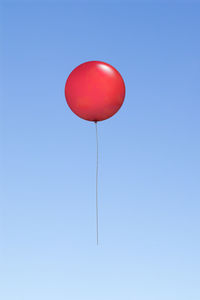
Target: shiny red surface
[(95, 91)]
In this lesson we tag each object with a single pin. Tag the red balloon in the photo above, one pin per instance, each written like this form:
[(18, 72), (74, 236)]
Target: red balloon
[(95, 91)]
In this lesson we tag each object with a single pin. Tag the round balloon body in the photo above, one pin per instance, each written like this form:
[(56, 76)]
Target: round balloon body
[(95, 91)]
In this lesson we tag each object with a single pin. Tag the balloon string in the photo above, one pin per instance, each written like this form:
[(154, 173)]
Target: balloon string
[(97, 167)]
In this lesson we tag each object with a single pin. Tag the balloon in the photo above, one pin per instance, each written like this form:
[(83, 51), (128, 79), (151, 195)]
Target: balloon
[(95, 91)]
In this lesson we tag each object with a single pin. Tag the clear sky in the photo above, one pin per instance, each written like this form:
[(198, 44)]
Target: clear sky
[(149, 192)]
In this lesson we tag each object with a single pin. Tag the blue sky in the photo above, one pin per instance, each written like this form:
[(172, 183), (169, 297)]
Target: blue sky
[(149, 195)]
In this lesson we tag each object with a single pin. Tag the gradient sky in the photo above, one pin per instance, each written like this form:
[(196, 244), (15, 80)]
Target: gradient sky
[(149, 191)]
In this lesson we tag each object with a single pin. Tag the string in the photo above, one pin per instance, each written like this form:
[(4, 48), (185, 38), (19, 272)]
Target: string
[(97, 167)]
